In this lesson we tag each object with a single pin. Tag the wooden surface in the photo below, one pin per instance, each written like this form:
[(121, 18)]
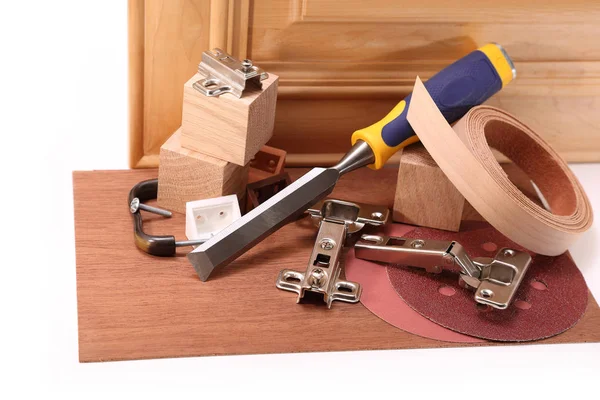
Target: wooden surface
[(226, 127), (424, 195), (186, 175), (134, 306), (343, 65)]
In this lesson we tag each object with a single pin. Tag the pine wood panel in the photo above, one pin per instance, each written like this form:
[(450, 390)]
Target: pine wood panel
[(175, 34), (383, 30), (487, 11), (135, 306), (364, 55)]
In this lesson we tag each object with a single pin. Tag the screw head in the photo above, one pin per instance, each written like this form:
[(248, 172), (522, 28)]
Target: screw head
[(246, 65), (317, 277), (417, 244), (508, 253), (327, 244), (377, 216), (134, 205)]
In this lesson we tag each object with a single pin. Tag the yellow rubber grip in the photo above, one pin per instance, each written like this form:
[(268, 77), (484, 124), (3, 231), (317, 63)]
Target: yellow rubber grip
[(372, 135), (500, 61)]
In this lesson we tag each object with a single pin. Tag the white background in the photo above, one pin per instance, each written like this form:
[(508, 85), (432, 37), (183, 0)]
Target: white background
[(63, 107)]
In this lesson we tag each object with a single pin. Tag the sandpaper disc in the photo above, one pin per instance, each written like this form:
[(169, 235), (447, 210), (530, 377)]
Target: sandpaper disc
[(380, 297), (551, 299)]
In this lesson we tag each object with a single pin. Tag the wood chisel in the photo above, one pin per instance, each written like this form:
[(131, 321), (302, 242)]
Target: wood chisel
[(457, 88)]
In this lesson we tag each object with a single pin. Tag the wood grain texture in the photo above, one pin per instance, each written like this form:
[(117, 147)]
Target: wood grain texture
[(135, 306), (226, 127), (136, 14), (219, 16), (344, 67), (169, 60), (229, 26), (424, 194), (186, 175)]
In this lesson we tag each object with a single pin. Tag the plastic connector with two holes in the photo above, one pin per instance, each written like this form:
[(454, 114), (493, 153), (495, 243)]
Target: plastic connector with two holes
[(205, 218)]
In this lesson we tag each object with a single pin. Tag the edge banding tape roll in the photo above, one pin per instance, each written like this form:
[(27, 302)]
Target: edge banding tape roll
[(464, 154)]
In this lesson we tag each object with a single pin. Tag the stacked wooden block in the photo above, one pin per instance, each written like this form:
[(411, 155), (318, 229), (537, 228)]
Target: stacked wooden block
[(209, 155)]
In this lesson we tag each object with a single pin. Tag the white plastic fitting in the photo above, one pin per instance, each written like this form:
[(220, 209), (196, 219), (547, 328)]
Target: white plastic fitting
[(206, 218)]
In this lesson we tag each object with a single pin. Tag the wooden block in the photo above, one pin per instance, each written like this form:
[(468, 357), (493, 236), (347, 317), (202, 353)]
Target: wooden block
[(424, 195), (186, 175), (267, 162), (226, 127)]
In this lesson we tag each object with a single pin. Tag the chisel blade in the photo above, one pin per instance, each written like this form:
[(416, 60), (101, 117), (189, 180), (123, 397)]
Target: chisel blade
[(271, 215)]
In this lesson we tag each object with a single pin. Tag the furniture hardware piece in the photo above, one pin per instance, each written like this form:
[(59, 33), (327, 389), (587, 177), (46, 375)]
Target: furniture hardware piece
[(136, 205), (267, 162), (163, 246), (205, 218), (494, 280), (336, 220), (225, 74), (354, 215)]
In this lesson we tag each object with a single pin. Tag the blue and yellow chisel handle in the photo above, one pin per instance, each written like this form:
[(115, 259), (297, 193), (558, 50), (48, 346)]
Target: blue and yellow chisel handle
[(457, 88)]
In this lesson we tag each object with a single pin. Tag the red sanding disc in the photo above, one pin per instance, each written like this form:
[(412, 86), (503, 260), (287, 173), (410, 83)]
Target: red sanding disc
[(379, 297), (551, 299)]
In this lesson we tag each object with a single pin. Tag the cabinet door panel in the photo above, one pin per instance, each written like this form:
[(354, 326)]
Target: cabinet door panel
[(342, 65)]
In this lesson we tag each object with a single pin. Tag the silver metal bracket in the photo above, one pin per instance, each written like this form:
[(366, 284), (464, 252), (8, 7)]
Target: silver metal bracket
[(336, 220), (225, 74), (494, 280)]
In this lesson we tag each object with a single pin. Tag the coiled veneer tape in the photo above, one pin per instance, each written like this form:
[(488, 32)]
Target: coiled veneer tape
[(464, 154)]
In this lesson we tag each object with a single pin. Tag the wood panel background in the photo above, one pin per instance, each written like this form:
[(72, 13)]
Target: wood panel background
[(343, 65)]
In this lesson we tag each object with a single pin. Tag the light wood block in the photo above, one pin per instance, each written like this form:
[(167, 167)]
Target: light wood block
[(186, 175), (226, 127), (424, 195)]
